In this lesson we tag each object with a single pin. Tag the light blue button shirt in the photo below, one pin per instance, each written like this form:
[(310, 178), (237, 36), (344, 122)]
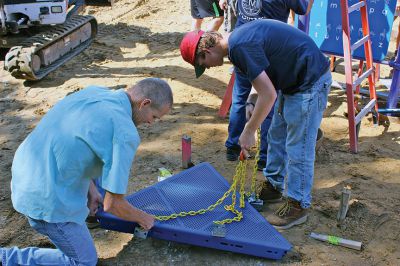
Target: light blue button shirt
[(86, 135)]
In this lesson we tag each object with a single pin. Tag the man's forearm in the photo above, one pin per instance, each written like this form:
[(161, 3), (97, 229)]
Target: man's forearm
[(264, 103), (121, 208), (126, 211)]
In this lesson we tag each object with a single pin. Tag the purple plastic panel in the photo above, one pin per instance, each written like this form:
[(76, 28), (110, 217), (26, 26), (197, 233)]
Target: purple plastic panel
[(193, 189), (394, 92)]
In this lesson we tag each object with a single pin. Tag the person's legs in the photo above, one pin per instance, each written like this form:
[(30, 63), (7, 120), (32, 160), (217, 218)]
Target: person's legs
[(237, 115), (303, 113), (34, 256), (275, 170), (210, 8), (197, 18), (196, 23), (215, 24), (237, 119), (264, 139), (73, 241)]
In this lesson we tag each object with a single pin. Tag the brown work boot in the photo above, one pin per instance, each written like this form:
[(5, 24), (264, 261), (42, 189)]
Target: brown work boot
[(288, 215), (269, 194)]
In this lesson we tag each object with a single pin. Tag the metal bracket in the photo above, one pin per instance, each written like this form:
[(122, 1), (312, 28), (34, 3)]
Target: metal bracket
[(140, 232), (219, 230), (344, 204), (256, 203)]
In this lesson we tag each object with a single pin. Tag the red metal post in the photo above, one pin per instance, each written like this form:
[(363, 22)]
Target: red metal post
[(227, 100), (349, 76), (368, 55)]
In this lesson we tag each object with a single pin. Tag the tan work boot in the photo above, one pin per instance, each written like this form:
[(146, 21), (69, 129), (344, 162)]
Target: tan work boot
[(269, 194), (288, 215)]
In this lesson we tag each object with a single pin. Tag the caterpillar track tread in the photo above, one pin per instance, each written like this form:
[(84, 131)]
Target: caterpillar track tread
[(44, 52)]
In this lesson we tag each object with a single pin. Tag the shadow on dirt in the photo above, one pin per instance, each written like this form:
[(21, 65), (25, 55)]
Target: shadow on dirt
[(109, 45)]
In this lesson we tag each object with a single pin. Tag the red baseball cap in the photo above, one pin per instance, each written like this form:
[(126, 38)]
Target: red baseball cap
[(188, 50)]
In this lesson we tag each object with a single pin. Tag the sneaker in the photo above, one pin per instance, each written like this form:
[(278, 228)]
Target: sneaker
[(288, 215), (261, 165), (232, 154), (269, 194)]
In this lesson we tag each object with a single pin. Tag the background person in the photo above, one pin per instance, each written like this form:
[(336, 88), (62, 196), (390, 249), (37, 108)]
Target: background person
[(201, 9)]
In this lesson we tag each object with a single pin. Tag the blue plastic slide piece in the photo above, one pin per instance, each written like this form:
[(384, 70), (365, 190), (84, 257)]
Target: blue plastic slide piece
[(194, 189)]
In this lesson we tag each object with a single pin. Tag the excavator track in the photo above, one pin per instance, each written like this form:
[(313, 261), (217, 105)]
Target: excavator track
[(42, 53)]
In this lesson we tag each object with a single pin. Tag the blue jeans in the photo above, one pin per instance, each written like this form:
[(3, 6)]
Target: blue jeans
[(237, 116), (292, 138), (74, 244)]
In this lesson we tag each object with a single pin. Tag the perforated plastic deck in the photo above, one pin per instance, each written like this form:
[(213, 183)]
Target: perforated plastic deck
[(193, 189)]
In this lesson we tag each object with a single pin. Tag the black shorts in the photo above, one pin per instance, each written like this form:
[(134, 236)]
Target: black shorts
[(205, 9)]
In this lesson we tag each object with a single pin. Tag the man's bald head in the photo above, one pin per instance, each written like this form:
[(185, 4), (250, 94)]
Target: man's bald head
[(155, 89)]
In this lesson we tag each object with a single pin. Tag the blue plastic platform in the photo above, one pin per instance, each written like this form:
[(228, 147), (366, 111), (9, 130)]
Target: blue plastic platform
[(325, 27), (194, 189)]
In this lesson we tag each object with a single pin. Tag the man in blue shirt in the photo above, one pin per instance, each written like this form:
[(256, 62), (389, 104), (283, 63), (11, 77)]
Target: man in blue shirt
[(91, 133), (283, 64), (246, 11)]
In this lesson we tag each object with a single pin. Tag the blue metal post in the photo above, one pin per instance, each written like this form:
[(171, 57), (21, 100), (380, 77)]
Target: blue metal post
[(394, 92)]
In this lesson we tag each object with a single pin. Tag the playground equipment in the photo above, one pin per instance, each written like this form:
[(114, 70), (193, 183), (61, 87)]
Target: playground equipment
[(175, 200), (332, 27), (227, 100), (332, 24), (351, 87), (195, 188)]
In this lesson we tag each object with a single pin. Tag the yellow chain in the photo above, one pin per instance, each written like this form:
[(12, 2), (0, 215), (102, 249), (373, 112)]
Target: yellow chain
[(211, 207), (242, 183), (254, 174), (238, 178)]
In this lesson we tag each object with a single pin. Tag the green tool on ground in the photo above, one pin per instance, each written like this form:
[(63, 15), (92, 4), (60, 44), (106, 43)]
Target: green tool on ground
[(334, 240)]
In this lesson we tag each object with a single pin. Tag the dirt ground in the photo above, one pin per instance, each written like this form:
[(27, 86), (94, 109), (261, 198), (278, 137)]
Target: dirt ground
[(139, 39)]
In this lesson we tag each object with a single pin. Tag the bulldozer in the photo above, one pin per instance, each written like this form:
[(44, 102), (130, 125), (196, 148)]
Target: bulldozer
[(41, 35)]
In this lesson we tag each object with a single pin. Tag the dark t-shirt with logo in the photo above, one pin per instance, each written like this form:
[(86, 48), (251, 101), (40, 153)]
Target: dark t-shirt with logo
[(290, 58), (249, 10)]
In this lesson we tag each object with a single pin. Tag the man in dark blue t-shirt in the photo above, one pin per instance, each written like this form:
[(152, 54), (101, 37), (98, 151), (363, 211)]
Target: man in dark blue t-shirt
[(283, 64), (246, 11), (249, 10)]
